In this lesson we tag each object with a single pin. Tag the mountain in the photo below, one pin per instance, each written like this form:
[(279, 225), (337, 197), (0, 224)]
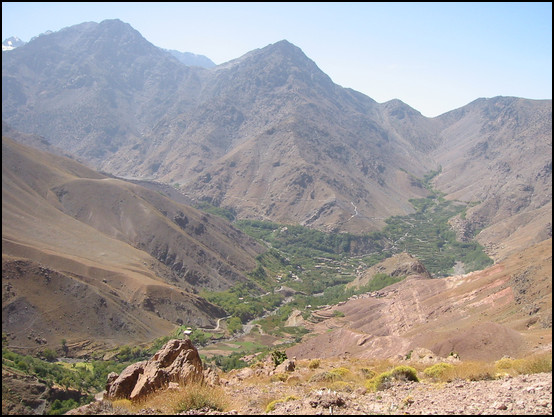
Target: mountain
[(81, 247), (11, 43), (190, 59), (137, 113), (497, 153), (504, 310), (270, 136)]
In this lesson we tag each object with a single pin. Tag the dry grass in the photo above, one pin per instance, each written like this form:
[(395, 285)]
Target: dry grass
[(480, 370), (271, 406), (194, 396), (530, 365), (314, 364), (469, 370)]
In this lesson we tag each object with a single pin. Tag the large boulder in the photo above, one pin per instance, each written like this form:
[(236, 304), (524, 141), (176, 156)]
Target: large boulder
[(177, 361)]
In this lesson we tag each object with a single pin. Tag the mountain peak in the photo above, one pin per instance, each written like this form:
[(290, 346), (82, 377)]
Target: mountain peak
[(12, 43)]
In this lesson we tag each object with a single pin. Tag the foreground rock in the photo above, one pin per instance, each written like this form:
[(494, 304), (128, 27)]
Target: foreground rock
[(176, 362)]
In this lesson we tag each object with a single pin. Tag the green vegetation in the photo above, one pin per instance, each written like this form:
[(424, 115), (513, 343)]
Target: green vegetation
[(90, 378), (234, 325), (424, 234), (384, 379), (380, 281), (228, 362), (228, 214), (437, 370), (271, 406), (427, 235), (61, 407), (316, 266), (243, 301), (278, 357)]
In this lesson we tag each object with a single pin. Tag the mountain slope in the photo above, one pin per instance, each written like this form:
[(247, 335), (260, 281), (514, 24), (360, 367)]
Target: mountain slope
[(79, 247), (274, 95), (503, 310), (190, 59), (94, 87), (270, 136), (498, 153)]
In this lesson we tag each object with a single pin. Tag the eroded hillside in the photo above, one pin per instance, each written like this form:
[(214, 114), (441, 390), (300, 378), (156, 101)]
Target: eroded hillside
[(96, 260)]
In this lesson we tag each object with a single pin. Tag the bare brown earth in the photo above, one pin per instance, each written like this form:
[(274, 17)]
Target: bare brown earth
[(503, 310), (102, 262)]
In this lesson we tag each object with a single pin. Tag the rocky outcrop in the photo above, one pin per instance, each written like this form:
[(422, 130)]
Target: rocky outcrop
[(176, 362)]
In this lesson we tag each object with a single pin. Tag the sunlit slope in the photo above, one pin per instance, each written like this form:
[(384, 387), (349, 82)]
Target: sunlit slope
[(89, 257), (505, 309)]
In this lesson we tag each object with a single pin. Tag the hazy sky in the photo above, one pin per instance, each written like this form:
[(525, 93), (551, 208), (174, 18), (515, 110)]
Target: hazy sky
[(435, 57)]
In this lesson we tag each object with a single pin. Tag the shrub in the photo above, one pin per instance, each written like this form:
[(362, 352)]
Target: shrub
[(278, 357), (49, 354), (60, 407), (368, 373), (437, 370), (339, 373), (314, 364), (385, 379), (199, 396), (272, 404), (379, 382), (341, 386), (278, 377), (405, 373), (324, 377)]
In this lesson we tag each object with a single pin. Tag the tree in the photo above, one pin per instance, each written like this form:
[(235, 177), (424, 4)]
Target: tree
[(64, 347), (234, 325)]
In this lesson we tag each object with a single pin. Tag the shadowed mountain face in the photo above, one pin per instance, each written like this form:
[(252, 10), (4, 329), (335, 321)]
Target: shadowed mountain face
[(272, 137), (79, 247)]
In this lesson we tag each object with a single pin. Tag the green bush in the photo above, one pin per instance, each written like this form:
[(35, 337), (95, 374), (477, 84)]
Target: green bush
[(437, 370), (278, 357), (405, 373), (385, 379), (234, 325), (61, 407)]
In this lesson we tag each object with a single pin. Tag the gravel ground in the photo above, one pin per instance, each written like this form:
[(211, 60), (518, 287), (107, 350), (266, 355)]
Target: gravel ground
[(520, 395)]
